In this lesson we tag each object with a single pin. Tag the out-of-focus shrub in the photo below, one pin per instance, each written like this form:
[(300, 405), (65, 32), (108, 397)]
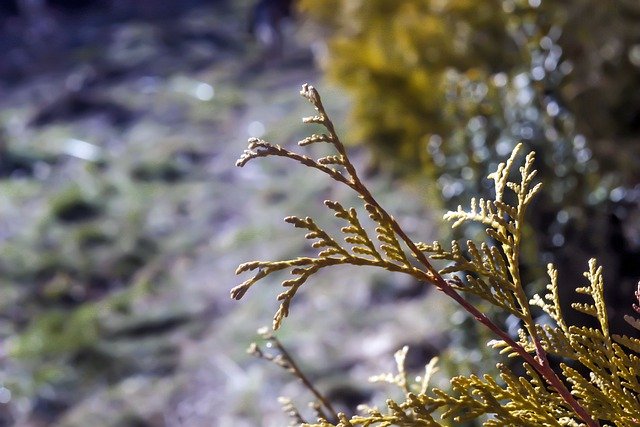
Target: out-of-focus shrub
[(445, 88)]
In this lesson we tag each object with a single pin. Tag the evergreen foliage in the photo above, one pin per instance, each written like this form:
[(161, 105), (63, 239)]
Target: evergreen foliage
[(596, 382)]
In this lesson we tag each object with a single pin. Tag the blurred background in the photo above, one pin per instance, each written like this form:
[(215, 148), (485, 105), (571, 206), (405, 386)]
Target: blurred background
[(123, 217)]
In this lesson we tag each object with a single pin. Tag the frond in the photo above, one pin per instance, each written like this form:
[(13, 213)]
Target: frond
[(485, 270), (595, 290), (556, 341), (629, 342), (551, 301), (521, 401), (358, 248), (505, 348), (493, 272), (387, 236), (484, 212), (354, 233)]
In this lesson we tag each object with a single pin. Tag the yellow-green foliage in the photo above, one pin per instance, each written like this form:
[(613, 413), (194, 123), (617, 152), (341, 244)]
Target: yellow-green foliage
[(426, 59), (596, 382), (445, 85)]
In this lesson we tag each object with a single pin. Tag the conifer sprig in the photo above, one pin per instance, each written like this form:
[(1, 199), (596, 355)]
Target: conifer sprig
[(491, 272)]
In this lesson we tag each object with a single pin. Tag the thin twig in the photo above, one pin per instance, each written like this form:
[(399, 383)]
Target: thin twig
[(285, 360), (295, 369)]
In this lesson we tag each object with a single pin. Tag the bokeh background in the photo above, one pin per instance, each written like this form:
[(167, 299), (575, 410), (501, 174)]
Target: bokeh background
[(123, 217)]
